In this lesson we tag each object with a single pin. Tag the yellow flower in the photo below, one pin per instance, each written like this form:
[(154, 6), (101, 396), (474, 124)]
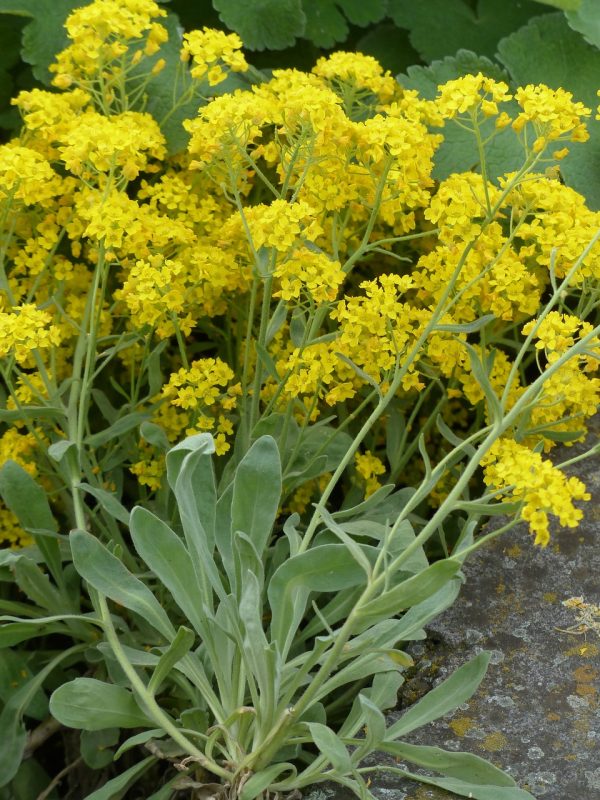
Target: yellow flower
[(470, 92), (349, 73), (281, 224), (553, 113), (309, 272), (24, 329), (102, 33), (543, 489), (368, 468), (26, 176), (208, 50)]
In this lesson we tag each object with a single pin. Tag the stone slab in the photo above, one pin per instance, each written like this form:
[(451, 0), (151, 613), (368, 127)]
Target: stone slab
[(537, 712)]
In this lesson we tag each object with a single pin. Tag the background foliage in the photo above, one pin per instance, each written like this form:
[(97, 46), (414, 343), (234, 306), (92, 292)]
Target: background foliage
[(520, 41)]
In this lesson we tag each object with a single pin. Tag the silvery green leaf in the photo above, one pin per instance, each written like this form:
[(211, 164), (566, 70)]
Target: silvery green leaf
[(445, 697)]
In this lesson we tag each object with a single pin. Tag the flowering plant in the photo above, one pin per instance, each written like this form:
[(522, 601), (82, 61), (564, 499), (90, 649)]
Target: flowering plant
[(307, 367)]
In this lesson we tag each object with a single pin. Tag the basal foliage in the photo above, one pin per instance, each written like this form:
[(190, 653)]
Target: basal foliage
[(301, 359)]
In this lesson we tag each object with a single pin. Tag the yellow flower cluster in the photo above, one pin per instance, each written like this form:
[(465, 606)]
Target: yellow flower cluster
[(207, 393), (543, 489), (310, 273), (25, 329), (351, 73), (369, 467), (554, 114), (557, 332), (376, 328), (26, 176), (471, 92), (101, 144), (101, 33), (208, 49), (155, 294), (304, 214), (281, 224)]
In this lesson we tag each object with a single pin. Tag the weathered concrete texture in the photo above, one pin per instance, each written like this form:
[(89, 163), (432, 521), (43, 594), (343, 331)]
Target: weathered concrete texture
[(537, 713)]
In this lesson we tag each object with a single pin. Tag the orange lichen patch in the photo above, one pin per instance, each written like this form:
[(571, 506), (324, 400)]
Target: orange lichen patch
[(514, 551), (582, 725), (552, 716), (549, 597), (585, 690), (494, 742), (501, 588), (585, 674), (461, 725)]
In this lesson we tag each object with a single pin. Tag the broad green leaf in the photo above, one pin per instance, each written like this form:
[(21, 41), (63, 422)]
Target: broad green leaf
[(116, 788), (257, 492), (354, 548), (481, 372), (92, 705), (390, 45), (28, 502), (359, 668), (45, 35), (465, 766), (383, 693), (95, 747), (36, 585), (15, 632), (26, 498), (584, 17), (368, 505), (109, 576), (327, 20), (179, 647), (548, 51), (413, 621), (261, 780), (12, 746), (122, 426), (411, 591), (108, 501), (402, 538), (328, 568), (564, 5), (443, 699), (165, 792), (200, 442), (137, 739), (440, 28), (464, 789), (167, 557), (321, 449), (272, 24), (375, 724), (58, 450), (165, 98), (195, 491), (30, 781), (331, 747), (458, 152), (154, 435), (30, 412), (14, 734), (277, 320)]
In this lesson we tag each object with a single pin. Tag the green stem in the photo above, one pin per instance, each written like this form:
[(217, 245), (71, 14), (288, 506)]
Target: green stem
[(146, 698)]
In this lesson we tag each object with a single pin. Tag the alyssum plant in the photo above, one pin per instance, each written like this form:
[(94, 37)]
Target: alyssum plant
[(310, 369)]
